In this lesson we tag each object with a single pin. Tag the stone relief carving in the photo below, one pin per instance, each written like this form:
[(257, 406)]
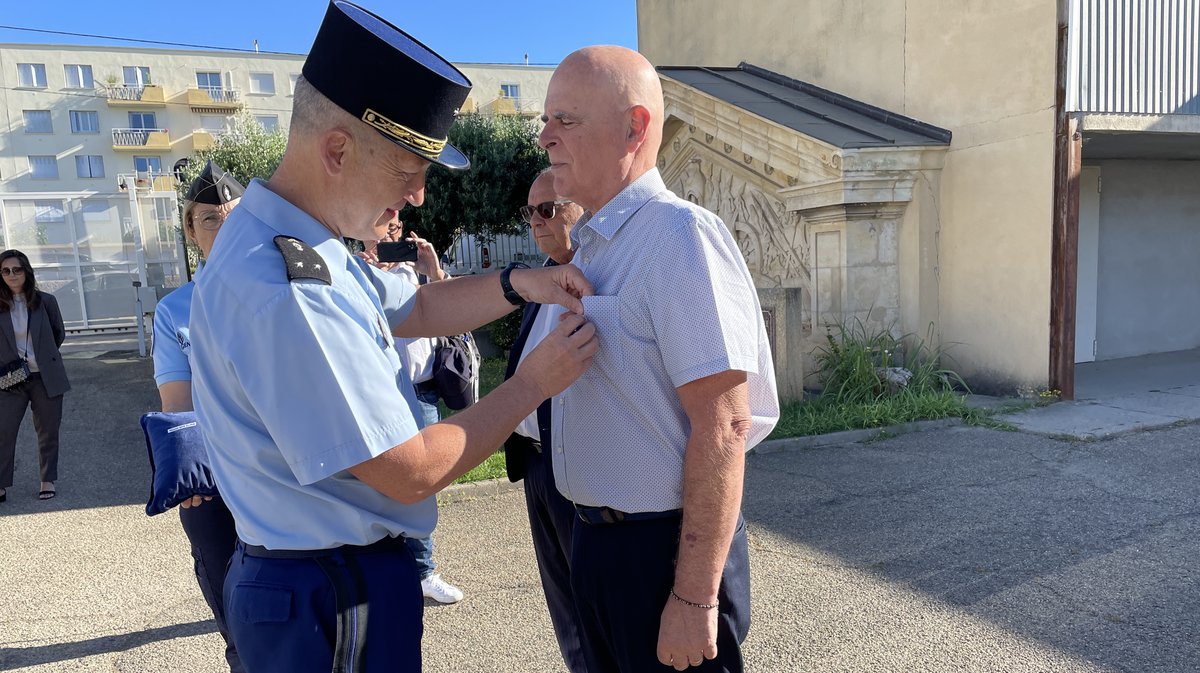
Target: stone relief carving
[(772, 240)]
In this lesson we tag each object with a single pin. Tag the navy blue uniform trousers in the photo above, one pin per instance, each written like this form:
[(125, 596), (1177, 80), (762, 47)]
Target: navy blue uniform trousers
[(282, 612), (552, 522), (622, 574), (210, 529)]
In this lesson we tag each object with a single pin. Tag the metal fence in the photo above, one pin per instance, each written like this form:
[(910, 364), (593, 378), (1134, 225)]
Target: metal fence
[(87, 249), (1135, 56), (470, 254)]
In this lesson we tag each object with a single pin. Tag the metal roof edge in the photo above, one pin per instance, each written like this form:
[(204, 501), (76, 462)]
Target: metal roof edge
[(877, 113)]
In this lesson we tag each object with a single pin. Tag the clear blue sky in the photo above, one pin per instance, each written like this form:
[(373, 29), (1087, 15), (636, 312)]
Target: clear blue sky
[(466, 31)]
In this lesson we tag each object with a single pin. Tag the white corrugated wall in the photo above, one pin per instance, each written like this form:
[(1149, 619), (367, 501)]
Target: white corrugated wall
[(1134, 56)]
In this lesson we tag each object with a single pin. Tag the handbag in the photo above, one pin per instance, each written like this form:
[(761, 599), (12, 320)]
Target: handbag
[(13, 374)]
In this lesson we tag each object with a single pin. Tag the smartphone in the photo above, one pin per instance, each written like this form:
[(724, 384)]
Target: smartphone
[(398, 251)]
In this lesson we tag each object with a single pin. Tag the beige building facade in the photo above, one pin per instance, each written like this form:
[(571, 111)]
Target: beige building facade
[(91, 137), (975, 237)]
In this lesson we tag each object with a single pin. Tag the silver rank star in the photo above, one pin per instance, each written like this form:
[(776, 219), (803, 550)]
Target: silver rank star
[(299, 265)]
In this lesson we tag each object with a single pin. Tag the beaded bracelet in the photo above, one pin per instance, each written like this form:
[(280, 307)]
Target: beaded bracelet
[(703, 606)]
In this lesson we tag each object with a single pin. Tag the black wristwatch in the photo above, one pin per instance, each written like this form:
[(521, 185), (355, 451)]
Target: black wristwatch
[(509, 293)]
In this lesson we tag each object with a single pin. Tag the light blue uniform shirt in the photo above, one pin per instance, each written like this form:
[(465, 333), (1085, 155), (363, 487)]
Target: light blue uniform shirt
[(674, 303), (294, 382), (172, 344)]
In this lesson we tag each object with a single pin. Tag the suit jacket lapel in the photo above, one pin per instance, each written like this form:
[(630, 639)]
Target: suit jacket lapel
[(35, 325), (6, 328), (528, 314)]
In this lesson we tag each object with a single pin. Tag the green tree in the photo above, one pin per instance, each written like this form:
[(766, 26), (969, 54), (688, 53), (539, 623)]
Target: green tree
[(482, 200), (246, 151)]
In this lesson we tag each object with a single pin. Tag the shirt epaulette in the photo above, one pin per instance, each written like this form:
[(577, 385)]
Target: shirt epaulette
[(303, 263)]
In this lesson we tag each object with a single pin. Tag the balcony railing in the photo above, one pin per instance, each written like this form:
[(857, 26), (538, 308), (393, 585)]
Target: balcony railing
[(221, 94), (134, 137), (125, 92), (1134, 57)]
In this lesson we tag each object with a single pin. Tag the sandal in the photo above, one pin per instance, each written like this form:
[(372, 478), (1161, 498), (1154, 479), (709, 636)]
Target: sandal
[(46, 494), (4, 496)]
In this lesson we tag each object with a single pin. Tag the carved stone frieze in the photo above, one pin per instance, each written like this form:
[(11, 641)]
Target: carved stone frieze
[(772, 239)]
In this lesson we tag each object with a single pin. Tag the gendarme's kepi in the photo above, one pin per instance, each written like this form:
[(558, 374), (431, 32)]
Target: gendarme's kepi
[(213, 186), (390, 81)]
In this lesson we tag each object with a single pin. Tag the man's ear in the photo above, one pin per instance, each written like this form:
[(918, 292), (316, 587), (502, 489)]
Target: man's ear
[(639, 125), (335, 147)]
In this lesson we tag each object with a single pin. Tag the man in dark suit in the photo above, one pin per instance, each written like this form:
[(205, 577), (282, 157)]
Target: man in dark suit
[(551, 516)]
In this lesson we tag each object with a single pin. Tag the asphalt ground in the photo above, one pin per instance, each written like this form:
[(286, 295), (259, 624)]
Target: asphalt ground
[(957, 549)]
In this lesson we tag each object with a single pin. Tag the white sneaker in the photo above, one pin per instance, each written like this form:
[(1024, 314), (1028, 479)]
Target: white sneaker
[(440, 590)]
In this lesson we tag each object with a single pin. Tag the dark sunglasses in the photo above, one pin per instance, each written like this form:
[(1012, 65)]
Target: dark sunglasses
[(12, 271), (546, 210)]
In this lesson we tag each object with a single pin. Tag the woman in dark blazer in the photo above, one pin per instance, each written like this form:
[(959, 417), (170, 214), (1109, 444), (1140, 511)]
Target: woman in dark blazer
[(31, 329)]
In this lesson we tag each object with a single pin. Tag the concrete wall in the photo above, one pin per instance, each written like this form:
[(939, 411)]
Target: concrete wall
[(1149, 281), (984, 70)]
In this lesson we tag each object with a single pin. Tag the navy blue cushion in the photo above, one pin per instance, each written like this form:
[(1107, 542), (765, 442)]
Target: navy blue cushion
[(178, 461)]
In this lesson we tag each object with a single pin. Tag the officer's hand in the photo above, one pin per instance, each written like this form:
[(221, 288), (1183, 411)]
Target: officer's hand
[(686, 635), (561, 357), (562, 285), (195, 501)]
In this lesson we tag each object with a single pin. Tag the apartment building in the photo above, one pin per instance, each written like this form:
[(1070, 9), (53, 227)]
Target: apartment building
[(91, 137)]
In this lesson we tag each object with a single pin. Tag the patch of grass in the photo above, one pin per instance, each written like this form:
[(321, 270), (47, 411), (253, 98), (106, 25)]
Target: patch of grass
[(491, 374), (825, 414)]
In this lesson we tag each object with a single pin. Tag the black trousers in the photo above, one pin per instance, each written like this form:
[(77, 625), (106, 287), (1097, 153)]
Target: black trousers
[(622, 574), (47, 417), (210, 529), (552, 521)]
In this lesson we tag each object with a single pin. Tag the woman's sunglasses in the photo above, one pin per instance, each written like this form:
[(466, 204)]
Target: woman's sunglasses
[(12, 271), (546, 210)]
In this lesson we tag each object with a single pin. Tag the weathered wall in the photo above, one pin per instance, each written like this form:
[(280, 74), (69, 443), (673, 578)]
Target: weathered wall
[(984, 70)]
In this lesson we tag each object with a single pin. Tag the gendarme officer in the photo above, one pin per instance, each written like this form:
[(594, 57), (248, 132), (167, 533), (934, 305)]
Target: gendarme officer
[(310, 420)]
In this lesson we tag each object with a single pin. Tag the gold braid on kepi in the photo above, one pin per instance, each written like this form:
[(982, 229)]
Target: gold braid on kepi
[(430, 147)]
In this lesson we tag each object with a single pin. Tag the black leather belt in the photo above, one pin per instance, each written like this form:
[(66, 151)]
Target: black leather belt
[(381, 545), (606, 515)]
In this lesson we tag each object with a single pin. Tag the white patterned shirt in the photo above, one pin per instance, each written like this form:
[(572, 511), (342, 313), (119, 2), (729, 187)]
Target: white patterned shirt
[(674, 303)]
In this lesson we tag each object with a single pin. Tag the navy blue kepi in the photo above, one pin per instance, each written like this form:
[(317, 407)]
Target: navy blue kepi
[(390, 81)]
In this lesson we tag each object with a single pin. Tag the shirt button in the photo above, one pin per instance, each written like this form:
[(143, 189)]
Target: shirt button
[(561, 400), (558, 450)]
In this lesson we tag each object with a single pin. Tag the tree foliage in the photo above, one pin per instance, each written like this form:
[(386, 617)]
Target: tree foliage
[(246, 151), (482, 200)]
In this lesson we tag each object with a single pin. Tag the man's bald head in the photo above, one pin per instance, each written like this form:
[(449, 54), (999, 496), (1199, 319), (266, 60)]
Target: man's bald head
[(604, 118)]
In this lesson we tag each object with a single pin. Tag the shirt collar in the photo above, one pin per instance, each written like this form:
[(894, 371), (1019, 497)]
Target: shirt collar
[(281, 215), (621, 207)]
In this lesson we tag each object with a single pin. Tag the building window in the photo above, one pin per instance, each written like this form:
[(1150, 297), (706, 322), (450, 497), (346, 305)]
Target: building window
[(136, 75), (262, 82), (214, 124), (43, 167), (85, 121), (31, 75), (142, 120), (269, 122), (208, 80), (38, 121), (49, 211), (147, 164), (89, 165), (292, 79), (79, 76), (512, 91)]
